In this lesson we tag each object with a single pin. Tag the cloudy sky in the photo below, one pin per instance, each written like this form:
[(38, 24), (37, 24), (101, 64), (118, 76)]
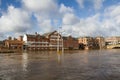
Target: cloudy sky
[(76, 17)]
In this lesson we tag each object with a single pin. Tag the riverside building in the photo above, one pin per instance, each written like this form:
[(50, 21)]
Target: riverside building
[(91, 42), (70, 43), (14, 44), (35, 42), (47, 41), (113, 42), (55, 40)]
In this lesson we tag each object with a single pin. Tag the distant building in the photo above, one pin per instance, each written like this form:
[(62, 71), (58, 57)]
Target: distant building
[(35, 42), (2, 43), (70, 43), (42, 42), (112, 40), (13, 44), (88, 43), (55, 39), (101, 42)]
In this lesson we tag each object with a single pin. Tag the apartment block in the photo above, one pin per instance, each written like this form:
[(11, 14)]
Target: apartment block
[(35, 42), (55, 40)]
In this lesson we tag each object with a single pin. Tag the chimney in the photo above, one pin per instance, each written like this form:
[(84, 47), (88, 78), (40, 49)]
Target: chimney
[(36, 33), (15, 39), (20, 38), (9, 38)]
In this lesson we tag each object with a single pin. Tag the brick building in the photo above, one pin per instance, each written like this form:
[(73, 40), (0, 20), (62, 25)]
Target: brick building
[(70, 43), (55, 39), (35, 42)]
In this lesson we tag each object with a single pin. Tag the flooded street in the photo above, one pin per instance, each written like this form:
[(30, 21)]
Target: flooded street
[(73, 65)]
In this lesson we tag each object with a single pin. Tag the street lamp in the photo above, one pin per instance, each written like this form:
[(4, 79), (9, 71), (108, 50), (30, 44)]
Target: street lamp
[(58, 43)]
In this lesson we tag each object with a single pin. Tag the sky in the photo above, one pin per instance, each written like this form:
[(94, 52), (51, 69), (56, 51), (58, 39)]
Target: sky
[(72, 17)]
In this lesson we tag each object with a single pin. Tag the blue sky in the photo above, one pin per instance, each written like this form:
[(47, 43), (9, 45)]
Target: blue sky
[(76, 17)]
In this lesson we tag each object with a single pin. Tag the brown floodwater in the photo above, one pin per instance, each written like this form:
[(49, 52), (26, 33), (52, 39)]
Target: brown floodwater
[(72, 65)]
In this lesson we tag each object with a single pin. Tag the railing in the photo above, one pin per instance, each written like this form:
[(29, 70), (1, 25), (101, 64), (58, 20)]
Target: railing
[(38, 46), (30, 42), (55, 45)]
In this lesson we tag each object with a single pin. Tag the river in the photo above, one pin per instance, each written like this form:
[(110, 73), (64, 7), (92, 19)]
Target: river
[(71, 65)]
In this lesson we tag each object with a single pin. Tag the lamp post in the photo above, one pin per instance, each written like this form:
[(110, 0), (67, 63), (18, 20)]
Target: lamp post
[(58, 42)]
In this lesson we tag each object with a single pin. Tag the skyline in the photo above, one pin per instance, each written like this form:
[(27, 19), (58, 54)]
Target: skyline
[(76, 17)]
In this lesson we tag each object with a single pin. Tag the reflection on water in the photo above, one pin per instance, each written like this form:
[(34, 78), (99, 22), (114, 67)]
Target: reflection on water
[(72, 65), (60, 57), (25, 61)]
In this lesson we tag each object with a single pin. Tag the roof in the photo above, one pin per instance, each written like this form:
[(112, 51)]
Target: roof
[(34, 36), (1, 42), (30, 35), (49, 33), (14, 41), (65, 38)]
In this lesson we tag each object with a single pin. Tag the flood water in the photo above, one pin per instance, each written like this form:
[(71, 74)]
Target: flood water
[(72, 65)]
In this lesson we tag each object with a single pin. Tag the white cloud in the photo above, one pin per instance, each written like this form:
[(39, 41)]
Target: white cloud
[(42, 6), (85, 27), (105, 24), (112, 19), (98, 4), (15, 20), (65, 9), (43, 12), (112, 11), (70, 18), (81, 3), (46, 26)]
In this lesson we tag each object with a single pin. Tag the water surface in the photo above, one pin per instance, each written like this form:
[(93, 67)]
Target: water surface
[(73, 65)]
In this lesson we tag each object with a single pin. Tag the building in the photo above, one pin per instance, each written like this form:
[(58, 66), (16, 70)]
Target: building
[(55, 39), (13, 44), (46, 41), (101, 42), (112, 40), (70, 43), (2, 43), (35, 42), (88, 43)]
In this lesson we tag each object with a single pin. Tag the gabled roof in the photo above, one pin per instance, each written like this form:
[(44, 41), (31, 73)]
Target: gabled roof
[(49, 33), (30, 35)]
